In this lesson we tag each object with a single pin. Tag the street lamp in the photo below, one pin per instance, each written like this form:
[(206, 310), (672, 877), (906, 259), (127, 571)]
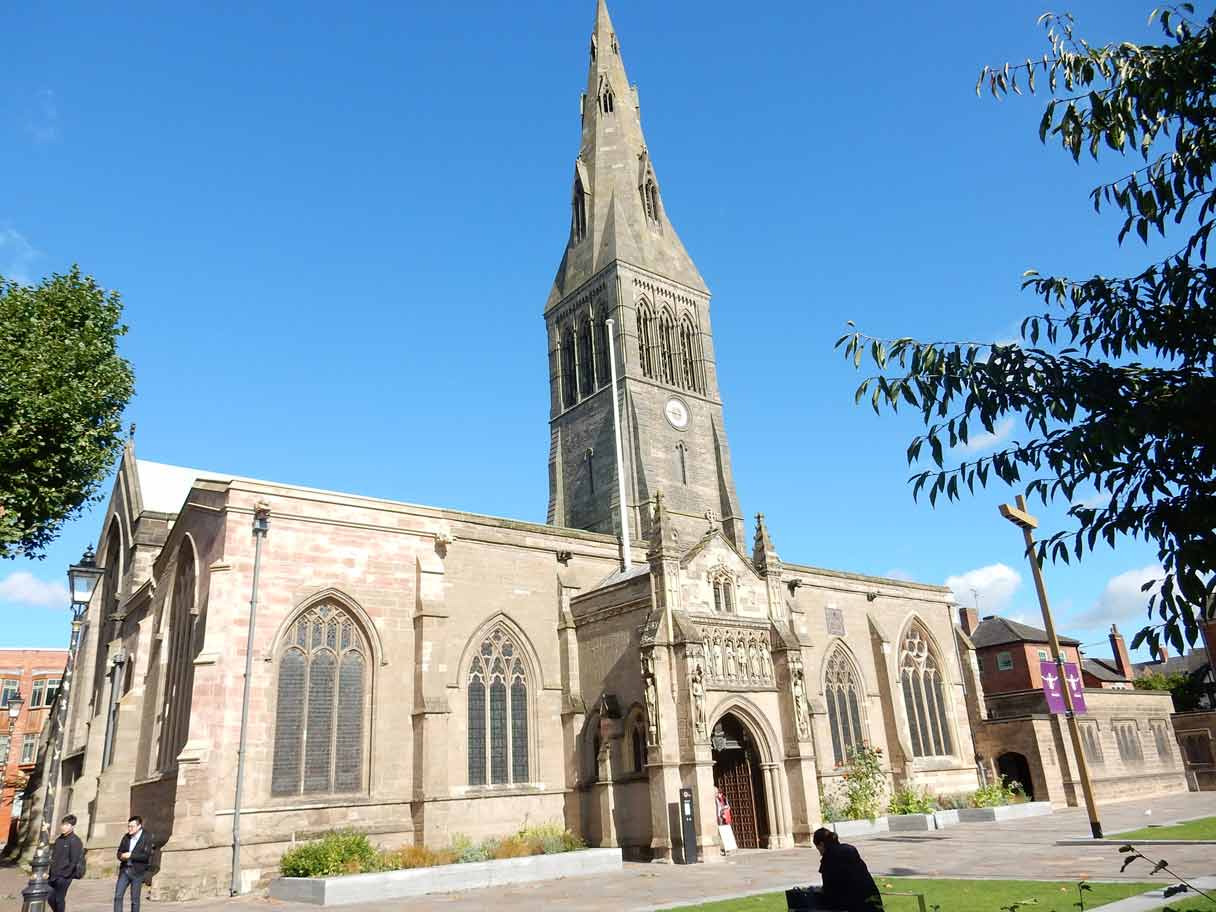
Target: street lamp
[(1027, 523), (82, 581)]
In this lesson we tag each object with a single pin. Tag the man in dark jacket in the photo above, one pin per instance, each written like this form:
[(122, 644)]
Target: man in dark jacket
[(134, 856), (847, 884), (67, 863)]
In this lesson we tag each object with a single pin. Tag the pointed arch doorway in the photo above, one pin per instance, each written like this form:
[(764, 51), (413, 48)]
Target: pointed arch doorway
[(738, 773)]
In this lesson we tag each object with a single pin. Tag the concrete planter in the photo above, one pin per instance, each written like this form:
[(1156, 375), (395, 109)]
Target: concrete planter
[(943, 819), (1006, 812), (859, 827), (356, 888), (906, 823)]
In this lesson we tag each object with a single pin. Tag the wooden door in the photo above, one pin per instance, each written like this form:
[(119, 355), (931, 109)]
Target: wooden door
[(737, 787)]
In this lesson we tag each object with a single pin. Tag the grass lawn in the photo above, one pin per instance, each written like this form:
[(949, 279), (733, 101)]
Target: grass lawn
[(959, 896), (1204, 828)]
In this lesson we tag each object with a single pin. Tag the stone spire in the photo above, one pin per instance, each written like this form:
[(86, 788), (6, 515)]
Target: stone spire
[(764, 554), (617, 209)]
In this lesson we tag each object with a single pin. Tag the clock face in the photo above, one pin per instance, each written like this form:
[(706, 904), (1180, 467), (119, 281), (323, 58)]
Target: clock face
[(677, 413)]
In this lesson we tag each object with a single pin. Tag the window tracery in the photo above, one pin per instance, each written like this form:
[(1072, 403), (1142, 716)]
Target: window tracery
[(924, 696), (668, 343), (498, 712), (607, 97), (690, 357), (650, 198), (603, 369), (319, 717), (586, 360), (578, 206), (844, 697), (179, 670), (646, 339)]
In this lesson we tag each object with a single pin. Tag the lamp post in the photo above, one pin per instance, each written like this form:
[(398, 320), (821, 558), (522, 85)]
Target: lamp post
[(15, 702), (1027, 523), (82, 580), (261, 525)]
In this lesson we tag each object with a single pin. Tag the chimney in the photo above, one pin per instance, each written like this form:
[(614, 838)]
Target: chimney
[(1209, 635), (1123, 662), (1163, 653), (968, 619)]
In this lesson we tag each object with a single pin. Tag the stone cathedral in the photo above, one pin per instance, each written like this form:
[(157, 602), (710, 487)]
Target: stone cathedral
[(420, 672)]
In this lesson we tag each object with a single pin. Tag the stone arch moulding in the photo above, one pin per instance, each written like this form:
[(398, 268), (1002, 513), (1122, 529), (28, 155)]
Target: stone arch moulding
[(753, 717), (460, 671), (948, 680), (829, 648), (348, 603)]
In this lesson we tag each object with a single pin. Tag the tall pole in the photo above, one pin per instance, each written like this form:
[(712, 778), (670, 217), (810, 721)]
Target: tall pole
[(261, 524), (620, 451), (1020, 517)]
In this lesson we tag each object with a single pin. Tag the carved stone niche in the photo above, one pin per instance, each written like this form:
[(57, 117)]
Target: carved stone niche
[(738, 656)]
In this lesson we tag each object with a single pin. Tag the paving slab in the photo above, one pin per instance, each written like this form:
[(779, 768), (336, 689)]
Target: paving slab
[(1016, 849)]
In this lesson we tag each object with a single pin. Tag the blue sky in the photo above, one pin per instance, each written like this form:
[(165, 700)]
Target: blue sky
[(335, 227)]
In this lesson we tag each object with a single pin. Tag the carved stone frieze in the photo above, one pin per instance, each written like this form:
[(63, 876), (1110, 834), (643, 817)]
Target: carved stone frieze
[(737, 655)]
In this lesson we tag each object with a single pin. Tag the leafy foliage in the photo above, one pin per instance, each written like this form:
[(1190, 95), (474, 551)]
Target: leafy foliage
[(909, 800), (1138, 431), (349, 852), (1186, 690), (865, 783), (61, 402), (998, 794)]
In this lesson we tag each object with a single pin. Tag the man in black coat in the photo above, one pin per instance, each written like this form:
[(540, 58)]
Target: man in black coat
[(67, 863), (134, 856), (847, 884)]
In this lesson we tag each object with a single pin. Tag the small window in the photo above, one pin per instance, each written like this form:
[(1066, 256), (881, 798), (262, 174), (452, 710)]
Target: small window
[(8, 691), (29, 744), (979, 664), (52, 690), (1004, 661), (1043, 656), (37, 694)]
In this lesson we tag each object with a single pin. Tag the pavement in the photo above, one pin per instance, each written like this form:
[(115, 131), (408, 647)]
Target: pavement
[(1025, 849)]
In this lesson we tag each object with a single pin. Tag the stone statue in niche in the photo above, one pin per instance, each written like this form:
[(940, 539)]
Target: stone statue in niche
[(730, 660), (652, 696), (715, 659), (753, 661), (696, 687), (798, 691)]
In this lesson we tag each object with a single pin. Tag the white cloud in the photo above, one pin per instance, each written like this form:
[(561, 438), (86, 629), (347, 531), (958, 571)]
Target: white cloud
[(16, 256), (24, 589), (1001, 431), (994, 587), (1122, 599)]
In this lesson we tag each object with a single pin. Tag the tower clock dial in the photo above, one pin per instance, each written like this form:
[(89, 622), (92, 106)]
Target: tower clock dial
[(677, 413)]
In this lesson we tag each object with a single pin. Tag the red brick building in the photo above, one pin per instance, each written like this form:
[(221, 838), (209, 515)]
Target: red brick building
[(35, 674)]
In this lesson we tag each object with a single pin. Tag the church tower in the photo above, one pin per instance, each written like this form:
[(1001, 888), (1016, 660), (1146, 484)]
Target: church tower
[(624, 262)]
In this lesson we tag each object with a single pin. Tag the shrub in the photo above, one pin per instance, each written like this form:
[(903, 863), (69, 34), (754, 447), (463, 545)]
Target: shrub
[(953, 802), (831, 808), (515, 847), (864, 783), (340, 852), (908, 800), (466, 850), (998, 794)]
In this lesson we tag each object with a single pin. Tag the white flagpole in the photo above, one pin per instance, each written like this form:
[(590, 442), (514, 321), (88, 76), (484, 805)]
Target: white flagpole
[(616, 431)]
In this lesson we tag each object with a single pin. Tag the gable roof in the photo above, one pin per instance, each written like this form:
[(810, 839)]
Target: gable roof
[(1103, 670), (1176, 664), (998, 631)]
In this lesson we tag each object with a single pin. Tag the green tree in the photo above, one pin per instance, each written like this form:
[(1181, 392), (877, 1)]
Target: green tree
[(63, 388), (1113, 376), (1185, 690)]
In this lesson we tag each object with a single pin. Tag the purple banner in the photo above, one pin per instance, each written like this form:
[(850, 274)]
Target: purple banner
[(1052, 687)]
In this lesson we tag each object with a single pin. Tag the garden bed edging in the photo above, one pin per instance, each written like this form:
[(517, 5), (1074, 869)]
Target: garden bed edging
[(353, 888), (943, 819), (1005, 812), (905, 823), (859, 827)]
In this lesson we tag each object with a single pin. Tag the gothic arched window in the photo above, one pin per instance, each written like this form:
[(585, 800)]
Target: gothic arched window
[(607, 99), (924, 696), (650, 198), (668, 343), (498, 712), (111, 581), (319, 716), (179, 670), (578, 214), (569, 380), (690, 357), (843, 694), (603, 371), (646, 345), (724, 592), (586, 360)]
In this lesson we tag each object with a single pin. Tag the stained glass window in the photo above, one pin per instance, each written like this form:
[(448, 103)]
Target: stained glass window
[(924, 697), (841, 692), (504, 757), (320, 706)]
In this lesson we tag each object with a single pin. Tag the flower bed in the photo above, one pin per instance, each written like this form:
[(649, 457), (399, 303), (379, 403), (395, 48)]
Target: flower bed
[(450, 878)]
